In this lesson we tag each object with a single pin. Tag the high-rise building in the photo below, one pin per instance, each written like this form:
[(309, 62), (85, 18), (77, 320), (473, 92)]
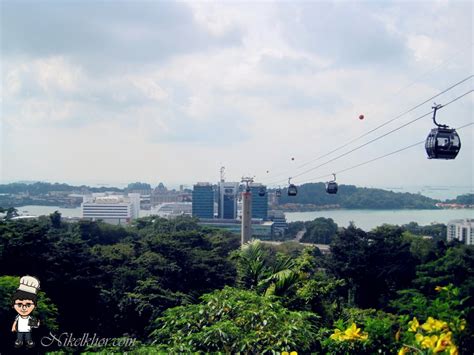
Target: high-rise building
[(259, 203), (462, 230), (279, 220), (203, 200), (113, 209), (227, 201)]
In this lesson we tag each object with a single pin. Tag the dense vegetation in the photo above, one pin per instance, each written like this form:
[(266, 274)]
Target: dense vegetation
[(46, 194), (321, 230), (43, 188), (466, 199), (350, 196), (179, 287)]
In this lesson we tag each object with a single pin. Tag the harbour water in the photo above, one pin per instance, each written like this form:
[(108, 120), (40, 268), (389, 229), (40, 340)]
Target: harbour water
[(369, 219), (365, 219)]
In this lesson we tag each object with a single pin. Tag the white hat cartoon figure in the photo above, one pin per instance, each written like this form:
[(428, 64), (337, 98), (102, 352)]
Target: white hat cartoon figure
[(24, 302)]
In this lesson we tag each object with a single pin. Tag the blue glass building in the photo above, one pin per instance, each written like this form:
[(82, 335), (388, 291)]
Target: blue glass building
[(203, 200), (227, 201), (259, 203)]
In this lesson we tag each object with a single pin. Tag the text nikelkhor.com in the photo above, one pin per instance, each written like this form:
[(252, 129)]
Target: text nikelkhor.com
[(71, 340)]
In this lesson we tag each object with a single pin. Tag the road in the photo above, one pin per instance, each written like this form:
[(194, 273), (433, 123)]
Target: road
[(300, 234)]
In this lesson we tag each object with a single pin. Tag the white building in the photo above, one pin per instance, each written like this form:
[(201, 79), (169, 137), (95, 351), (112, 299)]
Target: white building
[(113, 209), (462, 230), (171, 210)]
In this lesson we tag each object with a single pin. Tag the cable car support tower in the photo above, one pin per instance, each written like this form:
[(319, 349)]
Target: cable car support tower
[(246, 230)]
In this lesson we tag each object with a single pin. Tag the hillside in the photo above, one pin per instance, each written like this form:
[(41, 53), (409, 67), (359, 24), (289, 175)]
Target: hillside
[(352, 197)]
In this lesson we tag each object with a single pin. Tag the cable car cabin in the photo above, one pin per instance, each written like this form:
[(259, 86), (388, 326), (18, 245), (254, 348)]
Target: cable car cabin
[(261, 192), (278, 192), (442, 143), (331, 187), (292, 190)]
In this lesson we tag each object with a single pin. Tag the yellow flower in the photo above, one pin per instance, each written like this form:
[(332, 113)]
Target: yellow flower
[(285, 353), (429, 342), (294, 353), (443, 342), (403, 351), (351, 333), (453, 350), (337, 335), (433, 325), (413, 324), (439, 288)]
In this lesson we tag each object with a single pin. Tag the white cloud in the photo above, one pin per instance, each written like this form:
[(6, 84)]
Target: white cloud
[(149, 88), (426, 50), (172, 90)]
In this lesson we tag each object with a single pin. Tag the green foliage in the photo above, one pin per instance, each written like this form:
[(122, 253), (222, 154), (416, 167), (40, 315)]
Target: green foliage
[(55, 218), (455, 267), (320, 294), (350, 196), (375, 264), (42, 188), (290, 248), (444, 316), (232, 321), (121, 279), (436, 230), (320, 231), (293, 229), (466, 199), (268, 274), (252, 266), (9, 212), (447, 304), (423, 250), (380, 326), (118, 279)]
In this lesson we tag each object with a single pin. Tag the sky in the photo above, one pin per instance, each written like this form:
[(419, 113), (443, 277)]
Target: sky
[(102, 92)]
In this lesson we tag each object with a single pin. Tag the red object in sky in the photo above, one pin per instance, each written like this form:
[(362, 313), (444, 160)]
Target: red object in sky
[(361, 117)]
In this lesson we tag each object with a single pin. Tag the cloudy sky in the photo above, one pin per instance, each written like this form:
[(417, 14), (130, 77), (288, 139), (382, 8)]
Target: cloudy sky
[(122, 91)]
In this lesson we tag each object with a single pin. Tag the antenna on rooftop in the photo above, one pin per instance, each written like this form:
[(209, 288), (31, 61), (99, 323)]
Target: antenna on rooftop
[(222, 173)]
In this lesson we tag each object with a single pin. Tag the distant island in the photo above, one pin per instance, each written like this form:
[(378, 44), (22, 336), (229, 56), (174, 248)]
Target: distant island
[(46, 194), (311, 197)]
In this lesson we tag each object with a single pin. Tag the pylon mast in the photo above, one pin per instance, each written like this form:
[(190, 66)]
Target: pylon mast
[(246, 233)]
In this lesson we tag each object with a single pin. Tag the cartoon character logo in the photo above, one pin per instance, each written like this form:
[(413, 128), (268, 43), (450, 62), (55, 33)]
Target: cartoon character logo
[(24, 302)]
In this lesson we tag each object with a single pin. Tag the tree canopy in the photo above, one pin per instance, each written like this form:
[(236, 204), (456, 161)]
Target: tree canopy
[(175, 286)]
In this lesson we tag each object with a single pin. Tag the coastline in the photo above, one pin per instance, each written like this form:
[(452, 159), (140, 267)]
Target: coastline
[(369, 219), (315, 208)]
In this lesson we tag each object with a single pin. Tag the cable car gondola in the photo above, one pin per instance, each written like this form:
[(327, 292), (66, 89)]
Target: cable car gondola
[(261, 191), (292, 190), (278, 192), (442, 142), (331, 186)]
